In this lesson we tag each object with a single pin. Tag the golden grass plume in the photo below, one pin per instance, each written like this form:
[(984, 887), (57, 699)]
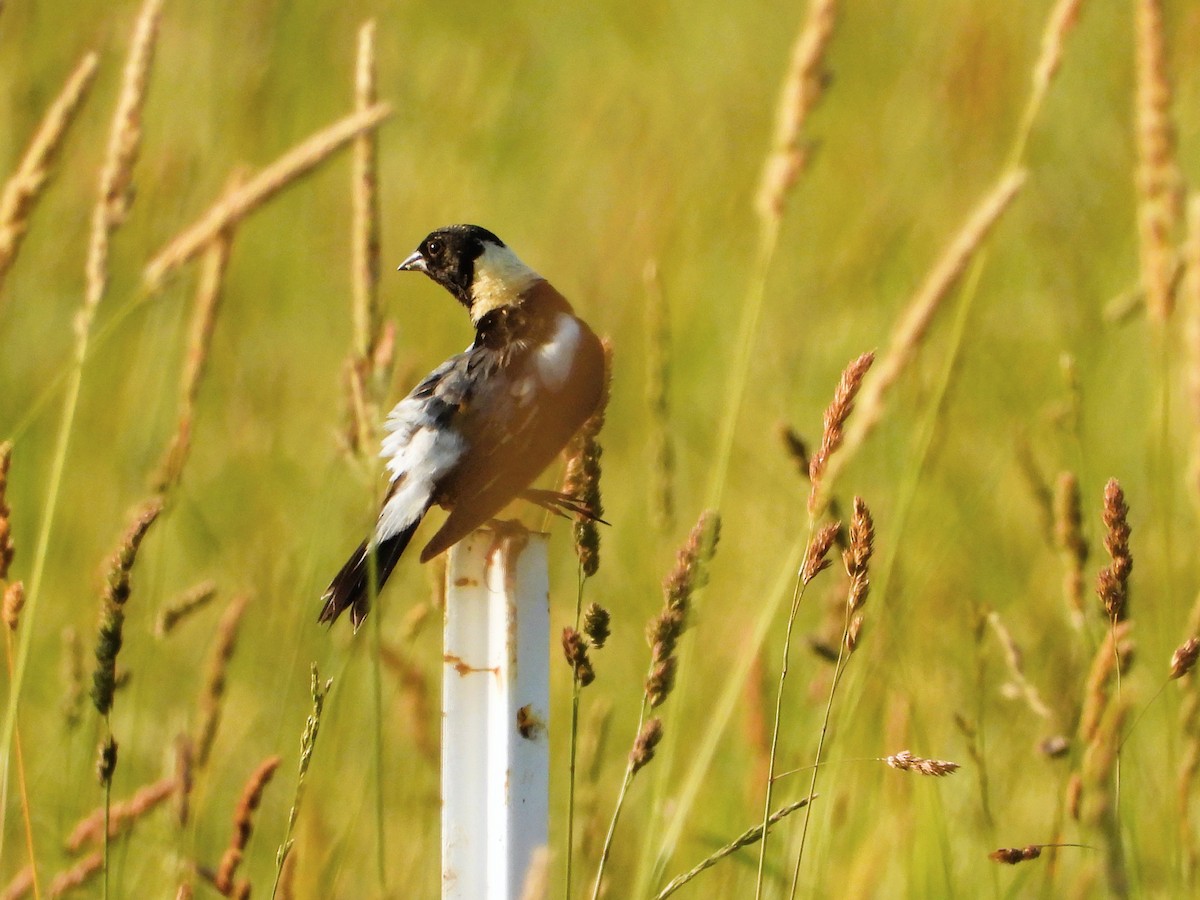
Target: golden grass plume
[(124, 144), (910, 331), (802, 88), (24, 187), (234, 205), (243, 825), (1157, 173), (116, 594), (122, 816), (213, 696)]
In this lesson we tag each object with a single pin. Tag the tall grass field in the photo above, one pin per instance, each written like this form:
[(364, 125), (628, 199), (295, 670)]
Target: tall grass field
[(901, 455)]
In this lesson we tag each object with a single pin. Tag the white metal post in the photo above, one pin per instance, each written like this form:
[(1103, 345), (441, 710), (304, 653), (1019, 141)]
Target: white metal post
[(495, 708)]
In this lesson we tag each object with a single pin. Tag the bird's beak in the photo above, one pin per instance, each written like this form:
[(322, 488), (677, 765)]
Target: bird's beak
[(414, 263)]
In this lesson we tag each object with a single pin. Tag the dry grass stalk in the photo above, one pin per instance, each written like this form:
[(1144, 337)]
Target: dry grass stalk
[(308, 745), (184, 892), (1063, 19), (833, 430), (77, 876), (593, 744), (191, 601), (1116, 649), (21, 885), (658, 396), (213, 697), (1068, 536), (124, 143), (122, 816), (1183, 660), (904, 761), (24, 187), (72, 677), (1015, 660), (235, 205), (1037, 484), (1189, 765), (536, 885), (7, 549), (912, 328), (185, 761), (745, 839), (286, 888), (582, 478), (802, 88), (1192, 330), (243, 824), (1098, 806), (414, 687), (1112, 584), (204, 318), (116, 594), (364, 378), (756, 729), (1157, 176)]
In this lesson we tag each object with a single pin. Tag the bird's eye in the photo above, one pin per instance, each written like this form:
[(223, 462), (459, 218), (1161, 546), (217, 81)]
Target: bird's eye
[(434, 248)]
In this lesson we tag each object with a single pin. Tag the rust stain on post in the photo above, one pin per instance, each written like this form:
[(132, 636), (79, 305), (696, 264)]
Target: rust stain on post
[(464, 668)]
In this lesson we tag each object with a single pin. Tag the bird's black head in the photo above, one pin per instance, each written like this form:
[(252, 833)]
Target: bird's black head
[(448, 256)]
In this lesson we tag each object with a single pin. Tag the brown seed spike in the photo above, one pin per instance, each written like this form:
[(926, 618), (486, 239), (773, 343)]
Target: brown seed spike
[(576, 652), (904, 761), (816, 559), (1184, 659), (1014, 855), (836, 415), (643, 748), (1112, 584)]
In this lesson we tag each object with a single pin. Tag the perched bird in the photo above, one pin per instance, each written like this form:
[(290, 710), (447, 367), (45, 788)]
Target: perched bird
[(484, 424)]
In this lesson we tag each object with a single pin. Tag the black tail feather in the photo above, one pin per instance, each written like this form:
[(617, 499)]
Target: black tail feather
[(348, 590)]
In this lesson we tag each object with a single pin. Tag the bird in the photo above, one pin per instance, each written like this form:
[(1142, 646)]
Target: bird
[(482, 426)]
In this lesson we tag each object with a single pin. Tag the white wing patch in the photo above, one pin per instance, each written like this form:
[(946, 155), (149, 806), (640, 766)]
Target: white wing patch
[(555, 358), (418, 455)]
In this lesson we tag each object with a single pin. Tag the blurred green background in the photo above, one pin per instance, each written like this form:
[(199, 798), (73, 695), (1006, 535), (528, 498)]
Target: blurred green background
[(595, 138)]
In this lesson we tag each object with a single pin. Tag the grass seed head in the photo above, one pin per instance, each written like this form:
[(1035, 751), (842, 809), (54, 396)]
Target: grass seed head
[(14, 602), (1013, 855), (904, 761), (582, 479), (575, 649), (816, 557), (833, 432), (1184, 659), (1112, 584), (661, 680), (643, 747), (106, 761), (596, 620), (112, 616)]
